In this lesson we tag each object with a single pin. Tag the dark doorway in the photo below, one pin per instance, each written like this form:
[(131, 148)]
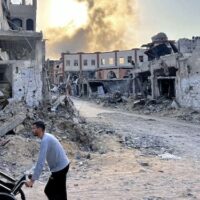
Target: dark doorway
[(85, 91), (167, 87)]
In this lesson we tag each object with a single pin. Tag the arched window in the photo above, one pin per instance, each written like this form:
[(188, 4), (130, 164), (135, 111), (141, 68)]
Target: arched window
[(111, 75), (16, 23), (29, 25)]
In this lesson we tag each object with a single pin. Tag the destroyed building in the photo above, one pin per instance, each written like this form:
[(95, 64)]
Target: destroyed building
[(55, 71), (23, 15), (22, 53), (162, 68), (170, 73), (102, 71), (156, 77), (186, 45)]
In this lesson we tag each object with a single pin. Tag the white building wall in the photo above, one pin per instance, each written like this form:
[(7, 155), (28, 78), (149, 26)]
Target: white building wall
[(124, 56), (104, 59), (140, 52), (27, 78), (184, 45), (188, 45), (188, 82), (89, 57), (71, 58), (27, 83)]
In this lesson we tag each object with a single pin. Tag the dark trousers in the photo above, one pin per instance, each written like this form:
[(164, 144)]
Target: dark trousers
[(56, 186)]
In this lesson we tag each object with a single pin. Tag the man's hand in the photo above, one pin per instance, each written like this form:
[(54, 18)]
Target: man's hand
[(29, 183)]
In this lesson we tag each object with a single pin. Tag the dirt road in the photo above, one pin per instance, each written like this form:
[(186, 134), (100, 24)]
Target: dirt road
[(126, 173)]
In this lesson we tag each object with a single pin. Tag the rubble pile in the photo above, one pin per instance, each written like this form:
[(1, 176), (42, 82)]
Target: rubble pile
[(111, 99), (18, 154), (148, 144), (165, 108), (146, 106), (61, 119)]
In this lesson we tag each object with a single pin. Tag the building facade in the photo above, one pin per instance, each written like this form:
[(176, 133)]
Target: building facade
[(22, 63), (23, 15), (55, 71), (103, 65), (188, 45)]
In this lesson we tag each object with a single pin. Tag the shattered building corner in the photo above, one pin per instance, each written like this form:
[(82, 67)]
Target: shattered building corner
[(22, 53)]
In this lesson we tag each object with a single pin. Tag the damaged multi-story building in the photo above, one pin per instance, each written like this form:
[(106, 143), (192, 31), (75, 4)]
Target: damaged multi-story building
[(162, 68), (102, 72), (171, 71), (156, 77), (22, 52), (55, 71)]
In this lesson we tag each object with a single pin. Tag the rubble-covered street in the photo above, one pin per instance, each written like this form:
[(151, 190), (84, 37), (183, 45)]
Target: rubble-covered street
[(122, 102), (114, 154)]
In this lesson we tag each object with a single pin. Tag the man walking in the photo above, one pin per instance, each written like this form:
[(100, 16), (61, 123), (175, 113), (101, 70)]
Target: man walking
[(51, 151)]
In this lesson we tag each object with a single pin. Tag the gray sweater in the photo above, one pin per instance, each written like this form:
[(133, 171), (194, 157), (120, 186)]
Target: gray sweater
[(52, 151)]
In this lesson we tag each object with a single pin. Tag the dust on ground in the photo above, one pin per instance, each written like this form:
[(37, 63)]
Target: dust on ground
[(115, 154)]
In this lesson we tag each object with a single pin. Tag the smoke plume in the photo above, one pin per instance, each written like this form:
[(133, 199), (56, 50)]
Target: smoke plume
[(110, 26)]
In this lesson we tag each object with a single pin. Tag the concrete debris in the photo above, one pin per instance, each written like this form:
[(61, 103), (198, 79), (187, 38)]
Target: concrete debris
[(12, 123), (153, 198), (149, 145), (3, 100), (4, 142), (65, 123), (115, 97), (168, 156), (175, 105)]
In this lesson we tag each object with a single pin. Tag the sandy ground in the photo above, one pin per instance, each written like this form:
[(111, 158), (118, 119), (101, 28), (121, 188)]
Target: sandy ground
[(126, 173)]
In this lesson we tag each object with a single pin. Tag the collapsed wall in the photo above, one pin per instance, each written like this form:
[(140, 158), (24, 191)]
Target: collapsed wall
[(188, 81), (23, 68)]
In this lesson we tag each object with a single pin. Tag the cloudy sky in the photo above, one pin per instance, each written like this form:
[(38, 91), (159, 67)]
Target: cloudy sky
[(104, 25)]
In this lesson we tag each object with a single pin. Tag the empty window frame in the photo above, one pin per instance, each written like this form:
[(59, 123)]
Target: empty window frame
[(121, 60), (29, 25), (93, 63), (103, 61), (129, 59), (29, 2), (75, 62), (67, 62), (141, 58), (85, 62), (111, 61)]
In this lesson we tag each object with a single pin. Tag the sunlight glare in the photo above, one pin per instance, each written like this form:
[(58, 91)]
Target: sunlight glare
[(63, 12)]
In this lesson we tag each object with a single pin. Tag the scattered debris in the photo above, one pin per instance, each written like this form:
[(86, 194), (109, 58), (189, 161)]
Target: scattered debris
[(168, 156), (149, 145)]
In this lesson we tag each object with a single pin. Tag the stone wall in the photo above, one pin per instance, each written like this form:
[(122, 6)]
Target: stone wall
[(188, 82), (27, 83)]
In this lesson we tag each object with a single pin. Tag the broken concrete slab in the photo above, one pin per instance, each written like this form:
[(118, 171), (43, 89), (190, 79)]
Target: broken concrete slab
[(12, 123)]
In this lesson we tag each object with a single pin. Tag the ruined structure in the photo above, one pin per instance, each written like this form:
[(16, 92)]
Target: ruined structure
[(55, 71), (188, 80), (101, 70), (22, 57), (162, 68), (188, 45), (23, 15), (171, 72), (156, 77)]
